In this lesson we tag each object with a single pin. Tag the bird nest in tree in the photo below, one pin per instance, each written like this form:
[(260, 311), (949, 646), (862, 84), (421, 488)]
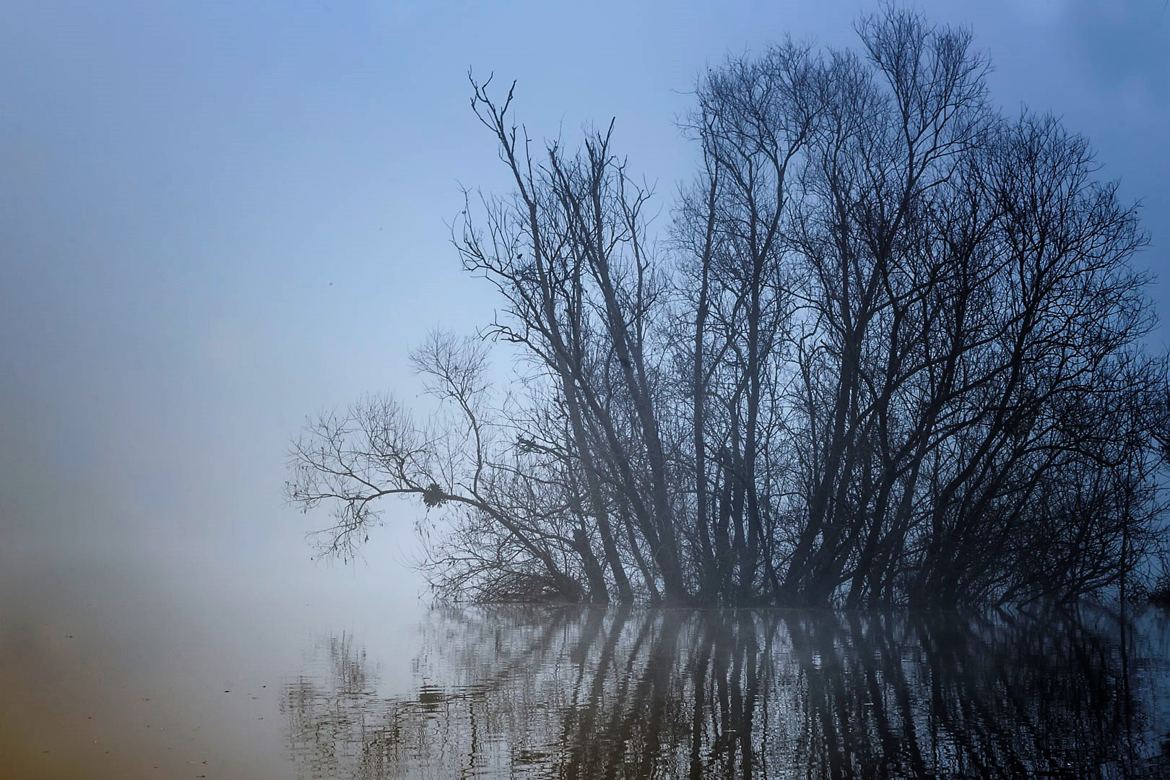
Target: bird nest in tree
[(434, 496)]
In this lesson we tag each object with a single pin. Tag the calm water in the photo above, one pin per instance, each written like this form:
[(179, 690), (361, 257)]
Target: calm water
[(115, 674), (613, 693)]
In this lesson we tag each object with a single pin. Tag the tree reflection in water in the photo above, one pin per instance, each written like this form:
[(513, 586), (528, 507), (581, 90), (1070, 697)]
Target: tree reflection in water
[(584, 693)]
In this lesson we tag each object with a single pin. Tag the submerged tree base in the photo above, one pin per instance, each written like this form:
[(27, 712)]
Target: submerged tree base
[(1159, 595)]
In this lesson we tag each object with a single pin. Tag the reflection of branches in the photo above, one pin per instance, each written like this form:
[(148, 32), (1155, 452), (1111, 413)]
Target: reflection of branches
[(323, 715), (666, 693)]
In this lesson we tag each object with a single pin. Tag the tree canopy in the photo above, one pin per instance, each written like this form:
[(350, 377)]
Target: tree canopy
[(890, 349)]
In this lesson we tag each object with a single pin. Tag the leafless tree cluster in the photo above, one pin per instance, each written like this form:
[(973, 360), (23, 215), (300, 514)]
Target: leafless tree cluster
[(890, 350)]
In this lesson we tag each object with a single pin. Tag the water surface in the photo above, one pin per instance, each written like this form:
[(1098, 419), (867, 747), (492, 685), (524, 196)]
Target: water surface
[(125, 671), (743, 693)]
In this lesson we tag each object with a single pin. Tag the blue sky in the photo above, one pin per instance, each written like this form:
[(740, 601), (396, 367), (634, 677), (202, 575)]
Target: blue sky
[(218, 217)]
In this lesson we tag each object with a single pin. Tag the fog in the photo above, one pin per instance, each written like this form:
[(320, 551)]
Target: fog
[(216, 219)]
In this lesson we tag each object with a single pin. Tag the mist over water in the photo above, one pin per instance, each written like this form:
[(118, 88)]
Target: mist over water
[(126, 665), (125, 672)]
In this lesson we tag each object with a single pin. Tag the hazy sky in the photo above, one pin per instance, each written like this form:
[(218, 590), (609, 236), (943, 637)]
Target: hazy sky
[(216, 218)]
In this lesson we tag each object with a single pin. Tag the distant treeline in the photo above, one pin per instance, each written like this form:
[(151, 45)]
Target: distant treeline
[(889, 349)]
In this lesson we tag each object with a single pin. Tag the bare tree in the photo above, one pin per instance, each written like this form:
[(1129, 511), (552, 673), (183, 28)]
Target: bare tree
[(891, 351)]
